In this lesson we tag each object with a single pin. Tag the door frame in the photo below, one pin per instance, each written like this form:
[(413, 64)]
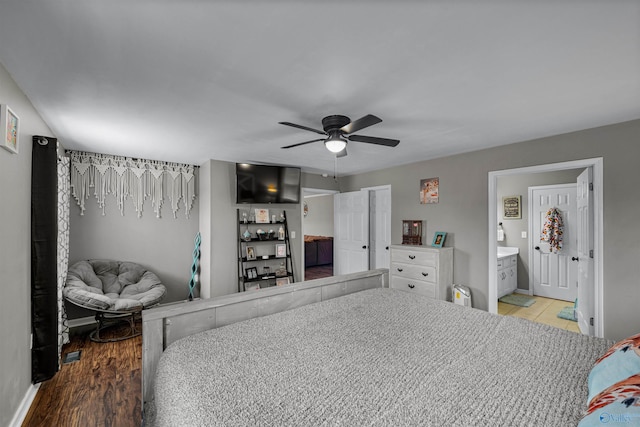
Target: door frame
[(313, 192), (598, 230)]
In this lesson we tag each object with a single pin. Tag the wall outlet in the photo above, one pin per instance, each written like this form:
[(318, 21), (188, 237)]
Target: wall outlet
[(523, 234), (293, 234)]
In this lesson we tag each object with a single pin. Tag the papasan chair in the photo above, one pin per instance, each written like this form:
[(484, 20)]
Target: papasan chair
[(117, 291)]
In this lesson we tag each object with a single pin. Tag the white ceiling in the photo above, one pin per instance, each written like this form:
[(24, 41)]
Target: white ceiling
[(189, 80)]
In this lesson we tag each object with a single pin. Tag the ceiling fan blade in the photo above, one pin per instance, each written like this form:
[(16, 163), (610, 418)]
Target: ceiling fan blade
[(374, 140), (303, 143), (321, 132), (342, 153), (361, 123)]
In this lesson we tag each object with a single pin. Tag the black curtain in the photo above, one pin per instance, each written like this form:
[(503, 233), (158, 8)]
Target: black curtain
[(44, 238)]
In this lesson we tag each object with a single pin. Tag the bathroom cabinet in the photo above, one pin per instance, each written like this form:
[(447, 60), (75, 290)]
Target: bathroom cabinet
[(507, 275)]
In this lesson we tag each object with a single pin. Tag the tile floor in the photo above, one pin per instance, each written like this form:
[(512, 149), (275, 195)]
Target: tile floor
[(544, 310)]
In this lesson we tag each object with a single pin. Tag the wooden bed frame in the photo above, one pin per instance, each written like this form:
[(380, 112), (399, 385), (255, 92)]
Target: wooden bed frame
[(167, 323)]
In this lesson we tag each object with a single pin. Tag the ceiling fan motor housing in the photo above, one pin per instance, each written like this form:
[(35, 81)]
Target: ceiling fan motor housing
[(330, 123)]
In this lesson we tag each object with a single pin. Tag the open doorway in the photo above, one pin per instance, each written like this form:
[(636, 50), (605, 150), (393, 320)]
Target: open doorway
[(595, 290), (317, 232)]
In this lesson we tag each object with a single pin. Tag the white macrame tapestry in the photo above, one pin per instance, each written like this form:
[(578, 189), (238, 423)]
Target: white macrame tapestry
[(125, 177)]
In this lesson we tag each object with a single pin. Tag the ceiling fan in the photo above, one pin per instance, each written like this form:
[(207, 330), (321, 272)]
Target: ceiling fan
[(338, 130)]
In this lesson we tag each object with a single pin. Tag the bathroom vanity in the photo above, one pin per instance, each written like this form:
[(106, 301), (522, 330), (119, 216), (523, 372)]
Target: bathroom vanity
[(507, 270)]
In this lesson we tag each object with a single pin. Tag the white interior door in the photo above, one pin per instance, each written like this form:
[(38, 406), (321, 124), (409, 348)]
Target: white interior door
[(555, 275), (585, 253), (351, 232), (380, 227)]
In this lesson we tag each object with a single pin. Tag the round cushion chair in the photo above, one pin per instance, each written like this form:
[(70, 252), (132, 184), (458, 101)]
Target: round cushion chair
[(115, 290)]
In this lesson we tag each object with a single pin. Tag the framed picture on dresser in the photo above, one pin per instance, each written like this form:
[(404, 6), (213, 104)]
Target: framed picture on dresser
[(438, 239)]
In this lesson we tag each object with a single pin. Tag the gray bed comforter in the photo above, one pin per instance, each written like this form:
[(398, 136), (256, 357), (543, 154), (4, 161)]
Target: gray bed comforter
[(377, 358)]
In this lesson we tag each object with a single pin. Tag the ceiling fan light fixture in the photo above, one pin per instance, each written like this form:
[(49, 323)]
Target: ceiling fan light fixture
[(335, 144)]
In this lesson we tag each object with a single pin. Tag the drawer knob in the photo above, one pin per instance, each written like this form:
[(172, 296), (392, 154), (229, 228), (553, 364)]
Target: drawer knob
[(425, 274), (411, 286), (400, 269), (412, 257)]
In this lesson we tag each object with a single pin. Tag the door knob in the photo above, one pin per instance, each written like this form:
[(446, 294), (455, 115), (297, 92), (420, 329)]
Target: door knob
[(575, 258), (537, 248), (387, 248)]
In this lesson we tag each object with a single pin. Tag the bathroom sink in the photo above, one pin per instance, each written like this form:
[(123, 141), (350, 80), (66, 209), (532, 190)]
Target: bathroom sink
[(504, 251)]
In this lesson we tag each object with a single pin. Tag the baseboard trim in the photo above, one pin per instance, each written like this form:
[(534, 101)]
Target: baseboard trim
[(23, 409), (522, 291), (82, 321)]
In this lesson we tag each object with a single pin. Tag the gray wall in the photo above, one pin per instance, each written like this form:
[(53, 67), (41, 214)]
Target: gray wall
[(15, 252), (463, 208), (218, 213), (163, 245), (515, 185), (319, 220)]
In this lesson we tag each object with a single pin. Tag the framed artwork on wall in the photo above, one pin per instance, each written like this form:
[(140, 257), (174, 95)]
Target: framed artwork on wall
[(429, 190), (512, 207), (10, 123)]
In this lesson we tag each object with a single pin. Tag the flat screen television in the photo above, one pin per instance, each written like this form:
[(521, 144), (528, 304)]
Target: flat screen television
[(267, 184)]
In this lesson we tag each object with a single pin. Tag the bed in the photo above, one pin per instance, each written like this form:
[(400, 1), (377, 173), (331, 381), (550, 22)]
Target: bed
[(376, 357)]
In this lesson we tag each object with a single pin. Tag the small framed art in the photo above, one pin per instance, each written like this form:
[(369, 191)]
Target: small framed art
[(262, 216), (251, 252), (281, 250), (512, 207), (251, 273), (282, 281), (438, 239), (10, 129)]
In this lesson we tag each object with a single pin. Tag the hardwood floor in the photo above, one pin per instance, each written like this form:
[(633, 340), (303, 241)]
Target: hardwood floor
[(544, 310), (103, 388), (318, 272)]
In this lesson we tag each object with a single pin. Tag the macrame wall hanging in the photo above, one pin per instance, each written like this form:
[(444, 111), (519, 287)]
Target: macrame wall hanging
[(126, 177)]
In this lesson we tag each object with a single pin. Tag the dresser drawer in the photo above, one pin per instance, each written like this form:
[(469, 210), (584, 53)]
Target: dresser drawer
[(417, 286), (414, 257), (412, 271)]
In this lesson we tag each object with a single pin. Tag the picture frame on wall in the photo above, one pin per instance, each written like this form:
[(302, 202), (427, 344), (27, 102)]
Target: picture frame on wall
[(512, 207), (438, 239), (429, 190), (10, 123)]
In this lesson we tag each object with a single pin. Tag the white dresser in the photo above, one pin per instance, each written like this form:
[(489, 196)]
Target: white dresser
[(421, 269)]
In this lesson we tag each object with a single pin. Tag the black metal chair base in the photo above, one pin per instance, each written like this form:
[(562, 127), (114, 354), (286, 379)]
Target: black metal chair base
[(108, 320)]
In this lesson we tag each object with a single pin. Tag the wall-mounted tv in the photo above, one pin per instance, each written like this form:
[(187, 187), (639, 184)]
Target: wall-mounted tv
[(267, 184)]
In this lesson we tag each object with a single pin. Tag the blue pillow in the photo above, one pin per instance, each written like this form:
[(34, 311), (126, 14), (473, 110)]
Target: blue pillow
[(616, 405), (619, 363)]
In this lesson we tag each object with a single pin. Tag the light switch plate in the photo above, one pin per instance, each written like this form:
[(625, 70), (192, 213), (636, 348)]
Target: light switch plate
[(524, 234), (293, 234)]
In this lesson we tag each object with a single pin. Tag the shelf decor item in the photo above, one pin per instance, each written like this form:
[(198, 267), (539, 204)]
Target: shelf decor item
[(251, 253), (438, 239), (280, 281), (512, 206), (281, 250), (262, 216), (411, 232), (10, 129)]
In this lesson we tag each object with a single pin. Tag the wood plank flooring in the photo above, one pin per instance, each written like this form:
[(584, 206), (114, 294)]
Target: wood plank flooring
[(103, 388), (544, 310)]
